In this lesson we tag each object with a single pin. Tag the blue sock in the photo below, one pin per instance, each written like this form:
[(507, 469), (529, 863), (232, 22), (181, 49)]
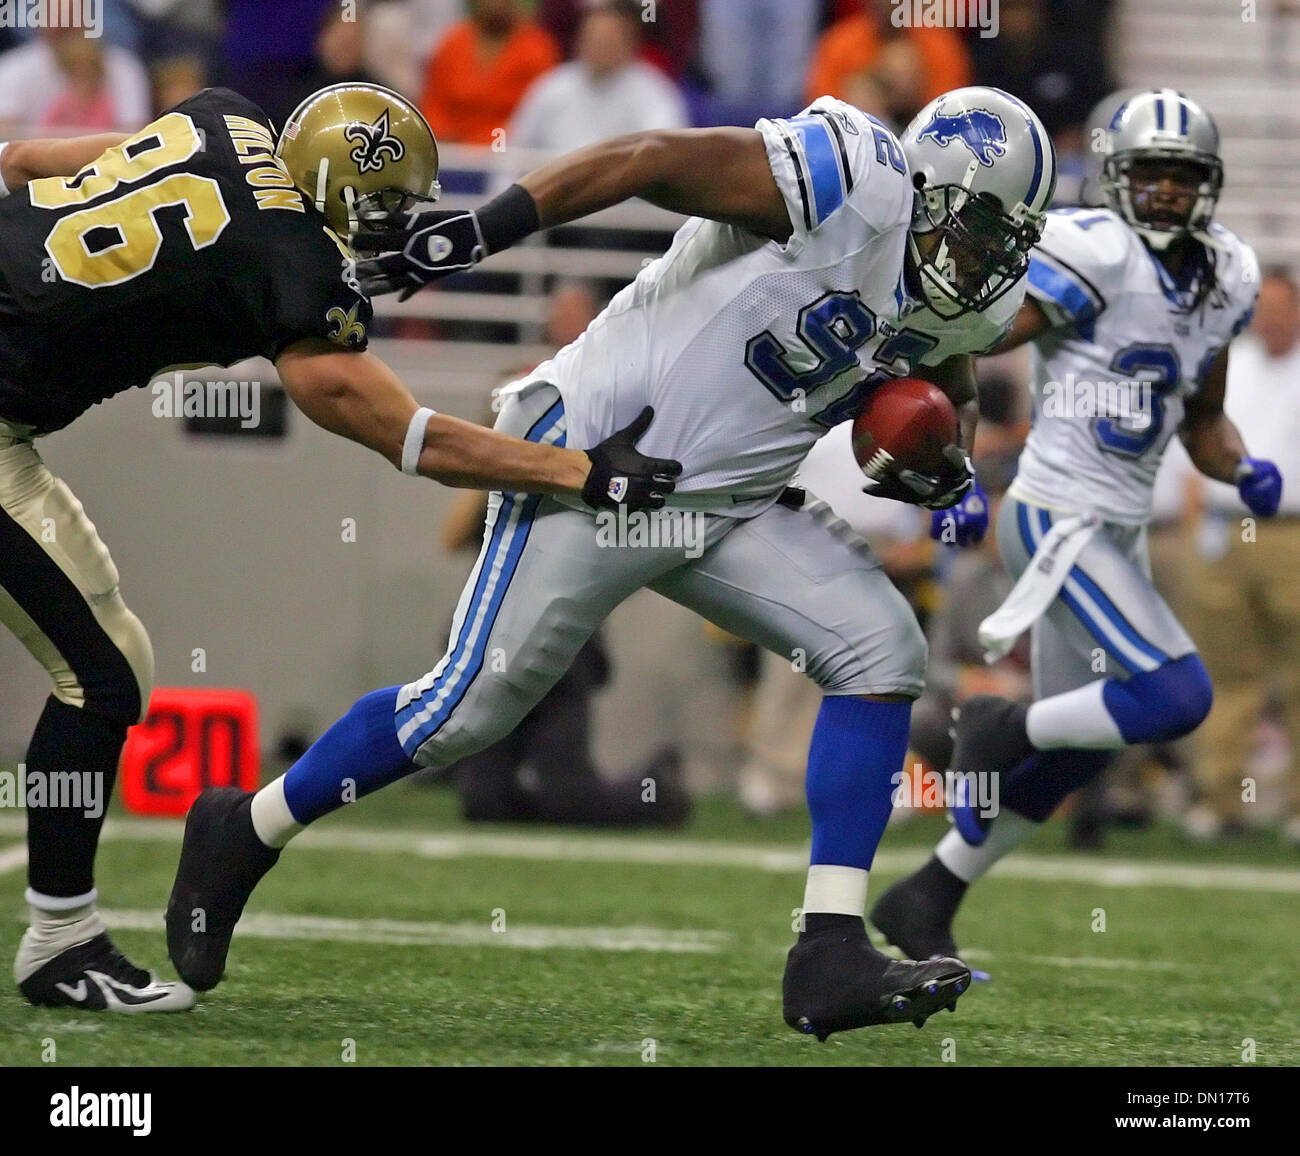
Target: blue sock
[(362, 746), (857, 749), (1038, 785)]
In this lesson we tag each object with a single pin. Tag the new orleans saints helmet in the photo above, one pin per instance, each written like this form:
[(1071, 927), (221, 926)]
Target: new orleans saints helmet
[(359, 145)]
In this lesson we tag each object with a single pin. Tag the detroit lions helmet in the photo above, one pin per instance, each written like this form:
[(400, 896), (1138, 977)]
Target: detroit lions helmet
[(984, 170), (353, 145), (1162, 126)]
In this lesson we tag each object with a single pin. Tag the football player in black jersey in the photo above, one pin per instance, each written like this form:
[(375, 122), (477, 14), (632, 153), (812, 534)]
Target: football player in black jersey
[(201, 239)]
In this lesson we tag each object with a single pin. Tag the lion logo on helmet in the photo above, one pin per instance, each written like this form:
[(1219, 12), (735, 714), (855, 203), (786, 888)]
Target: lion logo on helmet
[(376, 146), (981, 131)]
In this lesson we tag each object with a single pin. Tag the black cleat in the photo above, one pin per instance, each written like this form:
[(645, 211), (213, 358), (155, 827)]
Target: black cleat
[(990, 735), (221, 861), (915, 919), (95, 976), (837, 981), (990, 738)]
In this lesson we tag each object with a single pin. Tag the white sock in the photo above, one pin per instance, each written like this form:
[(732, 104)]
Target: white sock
[(50, 926), (833, 890), (273, 822), (53, 904), (1077, 719), (51, 932), (1007, 832)]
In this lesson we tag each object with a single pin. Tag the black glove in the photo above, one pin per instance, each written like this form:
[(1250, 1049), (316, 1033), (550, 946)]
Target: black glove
[(429, 245), (624, 478), (936, 491), (422, 245)]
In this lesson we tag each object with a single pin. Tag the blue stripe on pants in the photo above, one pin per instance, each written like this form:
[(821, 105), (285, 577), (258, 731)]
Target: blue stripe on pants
[(505, 548)]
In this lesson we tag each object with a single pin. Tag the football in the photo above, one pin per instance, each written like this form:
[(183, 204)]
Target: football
[(903, 425)]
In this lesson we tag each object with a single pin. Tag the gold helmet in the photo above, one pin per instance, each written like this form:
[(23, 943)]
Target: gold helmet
[(353, 145)]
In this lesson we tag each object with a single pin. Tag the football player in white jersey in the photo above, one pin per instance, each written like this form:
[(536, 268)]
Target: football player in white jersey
[(1130, 309), (823, 256)]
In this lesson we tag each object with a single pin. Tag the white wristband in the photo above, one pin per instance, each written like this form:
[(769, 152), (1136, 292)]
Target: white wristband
[(414, 442), (4, 189)]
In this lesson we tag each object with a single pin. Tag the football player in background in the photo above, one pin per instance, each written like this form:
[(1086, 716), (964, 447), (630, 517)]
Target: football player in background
[(1130, 309), (822, 257), (199, 240)]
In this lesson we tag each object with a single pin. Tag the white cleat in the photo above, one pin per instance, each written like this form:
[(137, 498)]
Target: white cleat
[(94, 976)]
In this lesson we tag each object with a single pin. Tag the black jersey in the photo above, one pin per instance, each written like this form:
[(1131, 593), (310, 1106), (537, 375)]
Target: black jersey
[(187, 245)]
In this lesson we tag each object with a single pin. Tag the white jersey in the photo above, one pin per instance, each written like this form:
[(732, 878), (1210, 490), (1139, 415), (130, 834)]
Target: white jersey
[(1111, 378), (750, 350)]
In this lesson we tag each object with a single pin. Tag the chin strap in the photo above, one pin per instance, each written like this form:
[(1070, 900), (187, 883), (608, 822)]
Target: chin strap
[(350, 200), (322, 182)]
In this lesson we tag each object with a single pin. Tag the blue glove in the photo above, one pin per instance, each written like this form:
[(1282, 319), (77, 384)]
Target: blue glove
[(964, 524), (1260, 485)]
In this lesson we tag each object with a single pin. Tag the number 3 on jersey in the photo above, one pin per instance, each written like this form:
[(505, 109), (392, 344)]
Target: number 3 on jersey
[(1132, 434), (118, 239)]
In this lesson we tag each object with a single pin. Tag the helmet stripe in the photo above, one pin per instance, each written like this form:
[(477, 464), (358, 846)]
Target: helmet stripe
[(1169, 98), (1036, 185)]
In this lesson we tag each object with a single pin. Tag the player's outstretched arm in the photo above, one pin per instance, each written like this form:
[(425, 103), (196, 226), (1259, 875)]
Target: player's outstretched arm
[(719, 173), (30, 160), (1215, 446), (1212, 440), (357, 396)]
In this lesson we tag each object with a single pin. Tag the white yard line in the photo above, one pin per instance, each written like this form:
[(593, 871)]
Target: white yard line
[(404, 933), (397, 932), (687, 853)]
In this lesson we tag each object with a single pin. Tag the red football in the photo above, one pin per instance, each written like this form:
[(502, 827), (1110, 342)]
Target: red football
[(903, 425)]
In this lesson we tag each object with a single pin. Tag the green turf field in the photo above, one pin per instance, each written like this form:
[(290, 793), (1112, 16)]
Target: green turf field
[(378, 928)]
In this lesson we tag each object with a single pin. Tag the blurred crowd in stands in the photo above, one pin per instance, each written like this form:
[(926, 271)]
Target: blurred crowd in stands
[(554, 73), (558, 74)]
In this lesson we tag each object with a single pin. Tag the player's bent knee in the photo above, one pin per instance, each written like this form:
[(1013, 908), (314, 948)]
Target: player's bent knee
[(1191, 693), (140, 658), (1171, 701), (129, 699), (893, 665), (114, 678), (486, 717)]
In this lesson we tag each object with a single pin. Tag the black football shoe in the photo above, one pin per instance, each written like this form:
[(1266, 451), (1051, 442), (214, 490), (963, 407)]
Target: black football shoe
[(837, 981), (916, 915), (94, 976), (991, 738), (221, 861)]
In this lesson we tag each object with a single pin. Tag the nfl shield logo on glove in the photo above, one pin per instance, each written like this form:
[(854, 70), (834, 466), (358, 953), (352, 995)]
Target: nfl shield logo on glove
[(617, 489)]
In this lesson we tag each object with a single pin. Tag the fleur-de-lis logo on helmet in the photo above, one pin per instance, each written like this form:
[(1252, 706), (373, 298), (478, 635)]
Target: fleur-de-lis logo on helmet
[(376, 146)]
